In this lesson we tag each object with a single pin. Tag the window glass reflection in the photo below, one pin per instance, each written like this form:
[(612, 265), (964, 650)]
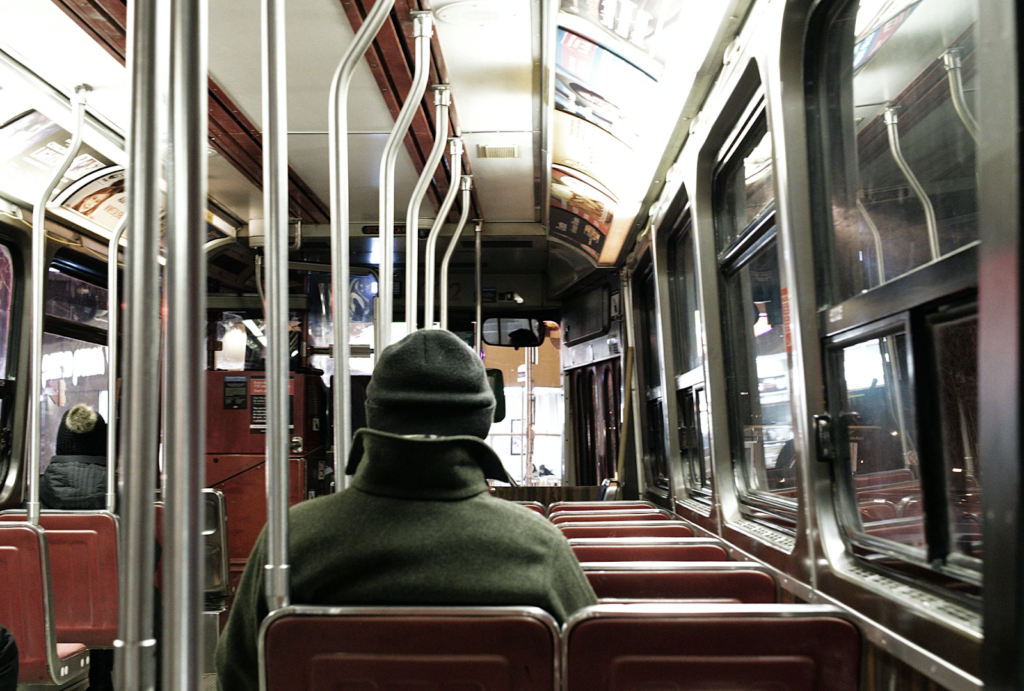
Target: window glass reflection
[(759, 374), (73, 372), (745, 186), (903, 146), (878, 418)]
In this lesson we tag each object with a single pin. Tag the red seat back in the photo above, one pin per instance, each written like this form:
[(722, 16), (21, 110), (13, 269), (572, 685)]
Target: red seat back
[(604, 516), (601, 506), (532, 506), (586, 553), (720, 647), (416, 648), (83, 573), (23, 607), (649, 529), (748, 587), (877, 510)]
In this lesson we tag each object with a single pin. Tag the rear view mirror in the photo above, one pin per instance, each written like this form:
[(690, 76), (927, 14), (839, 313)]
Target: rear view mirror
[(517, 332), (497, 382)]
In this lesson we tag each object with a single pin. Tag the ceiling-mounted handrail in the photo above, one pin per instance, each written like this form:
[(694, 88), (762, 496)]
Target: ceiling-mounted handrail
[(467, 190), (140, 409), (892, 128), (429, 283), (184, 559), (113, 317), (423, 30), (38, 274), (442, 100), (338, 151), (275, 203), (954, 71)]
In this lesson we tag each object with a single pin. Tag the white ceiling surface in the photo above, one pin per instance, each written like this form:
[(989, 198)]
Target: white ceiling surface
[(491, 67), (318, 32)]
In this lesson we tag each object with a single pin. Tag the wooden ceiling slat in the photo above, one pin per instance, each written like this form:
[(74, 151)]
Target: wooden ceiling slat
[(232, 134), (391, 61)]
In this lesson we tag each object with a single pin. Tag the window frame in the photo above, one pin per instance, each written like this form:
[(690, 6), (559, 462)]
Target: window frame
[(914, 302), (731, 257), (655, 458)]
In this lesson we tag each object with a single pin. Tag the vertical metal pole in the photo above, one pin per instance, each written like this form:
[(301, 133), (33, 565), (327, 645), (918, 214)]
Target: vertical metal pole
[(38, 276), (141, 407), (423, 29), (429, 282), (892, 128), (113, 317), (467, 186), (275, 204), (528, 416), (338, 152), (442, 99), (185, 390), (478, 336)]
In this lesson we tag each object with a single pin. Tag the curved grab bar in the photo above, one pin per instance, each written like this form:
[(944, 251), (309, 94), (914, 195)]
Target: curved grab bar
[(467, 186), (113, 309), (442, 99), (891, 126), (338, 151), (429, 286), (951, 62), (35, 382), (423, 29)]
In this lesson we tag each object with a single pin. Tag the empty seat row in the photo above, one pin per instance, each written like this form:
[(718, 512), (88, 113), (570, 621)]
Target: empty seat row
[(736, 582), (649, 549), (613, 647)]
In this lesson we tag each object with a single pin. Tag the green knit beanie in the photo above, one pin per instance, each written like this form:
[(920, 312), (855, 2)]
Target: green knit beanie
[(430, 382)]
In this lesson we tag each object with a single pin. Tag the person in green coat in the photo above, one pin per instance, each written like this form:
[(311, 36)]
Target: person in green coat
[(417, 526)]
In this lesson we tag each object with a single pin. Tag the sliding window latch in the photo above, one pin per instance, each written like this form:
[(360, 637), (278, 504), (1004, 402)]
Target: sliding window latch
[(824, 437)]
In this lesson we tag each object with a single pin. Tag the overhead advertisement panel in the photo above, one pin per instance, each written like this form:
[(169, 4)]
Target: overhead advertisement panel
[(641, 24), (31, 146), (599, 102)]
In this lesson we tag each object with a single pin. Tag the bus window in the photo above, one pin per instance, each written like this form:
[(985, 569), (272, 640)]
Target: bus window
[(688, 352), (6, 299), (74, 372), (651, 410), (897, 216), (753, 313), (71, 298)]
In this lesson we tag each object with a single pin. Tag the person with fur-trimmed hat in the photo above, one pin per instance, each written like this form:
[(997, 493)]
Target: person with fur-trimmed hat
[(76, 477), (417, 526)]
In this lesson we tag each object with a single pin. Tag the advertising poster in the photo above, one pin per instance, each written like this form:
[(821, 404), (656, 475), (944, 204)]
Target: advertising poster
[(31, 146), (643, 24), (572, 193), (576, 232), (99, 196), (597, 85)]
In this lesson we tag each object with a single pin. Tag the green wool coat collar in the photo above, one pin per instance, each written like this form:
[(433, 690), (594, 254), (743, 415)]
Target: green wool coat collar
[(426, 468)]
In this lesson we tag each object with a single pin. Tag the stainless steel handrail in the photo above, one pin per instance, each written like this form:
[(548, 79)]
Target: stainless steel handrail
[(38, 275), (429, 282), (338, 152), (892, 128), (140, 407), (478, 283), (467, 187), (113, 318), (442, 99), (953, 66), (275, 205), (423, 30), (184, 560)]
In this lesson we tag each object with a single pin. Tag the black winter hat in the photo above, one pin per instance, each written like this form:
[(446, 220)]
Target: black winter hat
[(430, 382), (82, 432)]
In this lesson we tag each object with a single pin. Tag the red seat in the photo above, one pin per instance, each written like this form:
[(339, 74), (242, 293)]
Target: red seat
[(749, 586), (561, 506), (696, 647), (26, 609), (678, 552), (532, 506), (603, 516), (83, 573), (428, 649), (877, 510), (613, 529)]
